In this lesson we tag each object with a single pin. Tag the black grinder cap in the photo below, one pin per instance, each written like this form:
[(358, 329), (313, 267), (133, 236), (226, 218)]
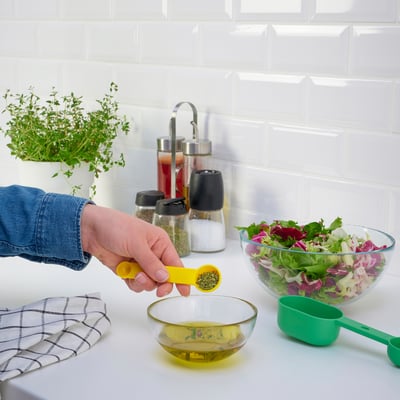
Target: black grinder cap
[(206, 190)]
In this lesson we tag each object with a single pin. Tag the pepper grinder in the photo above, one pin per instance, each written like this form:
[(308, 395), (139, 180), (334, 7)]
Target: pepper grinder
[(206, 218)]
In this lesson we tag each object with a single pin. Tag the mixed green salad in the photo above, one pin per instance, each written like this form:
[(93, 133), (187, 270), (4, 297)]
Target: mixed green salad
[(314, 260)]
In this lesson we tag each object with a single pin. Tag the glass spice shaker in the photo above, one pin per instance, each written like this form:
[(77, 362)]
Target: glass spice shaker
[(145, 204), (164, 160), (196, 156), (206, 217), (172, 216)]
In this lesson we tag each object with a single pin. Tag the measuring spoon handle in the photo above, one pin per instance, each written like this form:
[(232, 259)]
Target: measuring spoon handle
[(364, 330), (129, 270), (182, 275)]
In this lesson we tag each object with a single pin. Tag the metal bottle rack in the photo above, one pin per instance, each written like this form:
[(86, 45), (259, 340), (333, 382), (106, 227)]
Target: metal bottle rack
[(172, 133)]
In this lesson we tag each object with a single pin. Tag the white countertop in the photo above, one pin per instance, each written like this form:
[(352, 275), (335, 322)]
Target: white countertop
[(128, 363)]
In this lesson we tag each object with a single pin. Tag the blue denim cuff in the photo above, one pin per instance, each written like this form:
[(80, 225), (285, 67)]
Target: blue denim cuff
[(58, 234)]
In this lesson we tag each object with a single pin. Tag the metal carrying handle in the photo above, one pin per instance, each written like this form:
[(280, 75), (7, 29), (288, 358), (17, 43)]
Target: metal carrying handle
[(172, 134)]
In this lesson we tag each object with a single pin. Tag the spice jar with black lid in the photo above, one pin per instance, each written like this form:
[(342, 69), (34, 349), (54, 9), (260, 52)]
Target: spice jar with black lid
[(172, 216), (145, 204)]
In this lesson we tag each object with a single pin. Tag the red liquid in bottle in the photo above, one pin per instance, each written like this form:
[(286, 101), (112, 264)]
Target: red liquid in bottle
[(164, 174)]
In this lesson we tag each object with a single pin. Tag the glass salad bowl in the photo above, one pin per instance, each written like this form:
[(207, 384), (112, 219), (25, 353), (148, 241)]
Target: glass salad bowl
[(202, 328), (335, 265)]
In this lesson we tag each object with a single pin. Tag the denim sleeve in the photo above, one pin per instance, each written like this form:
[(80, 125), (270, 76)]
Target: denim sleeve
[(42, 227)]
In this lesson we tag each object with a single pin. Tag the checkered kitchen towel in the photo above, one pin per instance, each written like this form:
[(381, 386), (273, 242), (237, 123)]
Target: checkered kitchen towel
[(49, 331)]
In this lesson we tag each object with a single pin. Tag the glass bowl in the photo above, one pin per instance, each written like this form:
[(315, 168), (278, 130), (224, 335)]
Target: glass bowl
[(202, 328), (333, 278)]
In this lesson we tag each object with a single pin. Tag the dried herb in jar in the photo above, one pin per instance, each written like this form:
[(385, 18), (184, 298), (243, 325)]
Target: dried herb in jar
[(145, 204), (172, 216), (180, 239)]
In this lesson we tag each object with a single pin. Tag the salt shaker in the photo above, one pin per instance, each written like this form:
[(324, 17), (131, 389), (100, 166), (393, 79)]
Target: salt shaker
[(172, 216), (145, 204), (206, 218)]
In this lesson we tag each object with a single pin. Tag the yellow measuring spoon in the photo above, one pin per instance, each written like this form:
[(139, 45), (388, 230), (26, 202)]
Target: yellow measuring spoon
[(205, 278)]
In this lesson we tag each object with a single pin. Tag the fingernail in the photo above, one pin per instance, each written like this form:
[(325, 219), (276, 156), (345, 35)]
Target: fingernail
[(161, 275), (141, 278)]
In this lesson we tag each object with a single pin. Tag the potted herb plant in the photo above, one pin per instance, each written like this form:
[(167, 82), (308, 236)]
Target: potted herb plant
[(58, 131)]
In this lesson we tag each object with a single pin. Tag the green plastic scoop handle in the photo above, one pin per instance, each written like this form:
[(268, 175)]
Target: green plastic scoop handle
[(318, 324)]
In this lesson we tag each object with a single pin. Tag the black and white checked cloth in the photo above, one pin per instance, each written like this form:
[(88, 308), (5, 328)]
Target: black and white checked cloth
[(49, 331)]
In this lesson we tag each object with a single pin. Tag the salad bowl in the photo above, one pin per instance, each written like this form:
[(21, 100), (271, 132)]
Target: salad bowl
[(335, 264)]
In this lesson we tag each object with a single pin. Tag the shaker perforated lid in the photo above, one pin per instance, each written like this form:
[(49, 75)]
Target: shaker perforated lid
[(164, 143), (171, 206), (196, 147), (206, 190), (148, 198)]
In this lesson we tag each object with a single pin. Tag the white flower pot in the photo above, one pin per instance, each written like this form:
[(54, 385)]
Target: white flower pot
[(40, 175)]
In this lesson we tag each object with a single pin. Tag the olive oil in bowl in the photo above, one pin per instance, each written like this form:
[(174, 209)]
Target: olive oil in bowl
[(201, 341)]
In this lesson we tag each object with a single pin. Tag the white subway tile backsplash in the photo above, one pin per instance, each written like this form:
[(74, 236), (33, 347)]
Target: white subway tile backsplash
[(85, 10), (396, 108), (7, 9), (41, 75), (155, 123), (62, 40), (398, 11), (209, 89), (89, 80), (394, 217), (143, 85), (269, 9), (238, 140), (300, 98), (8, 75), (375, 51), (175, 43), (234, 45), (18, 39), (309, 48), (134, 117), (294, 148), (355, 203), (38, 9), (355, 10), (200, 10), (113, 42), (269, 96), (270, 193), (362, 103), (373, 157), (139, 9)]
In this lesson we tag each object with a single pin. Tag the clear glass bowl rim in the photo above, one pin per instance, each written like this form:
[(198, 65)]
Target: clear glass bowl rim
[(242, 321)]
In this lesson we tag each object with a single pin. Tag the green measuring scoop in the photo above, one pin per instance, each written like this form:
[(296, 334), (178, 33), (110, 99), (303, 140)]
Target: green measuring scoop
[(318, 324)]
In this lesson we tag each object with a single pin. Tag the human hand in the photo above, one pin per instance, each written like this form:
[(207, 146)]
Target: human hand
[(112, 236)]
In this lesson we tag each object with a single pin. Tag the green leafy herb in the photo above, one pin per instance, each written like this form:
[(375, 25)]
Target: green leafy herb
[(59, 129)]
